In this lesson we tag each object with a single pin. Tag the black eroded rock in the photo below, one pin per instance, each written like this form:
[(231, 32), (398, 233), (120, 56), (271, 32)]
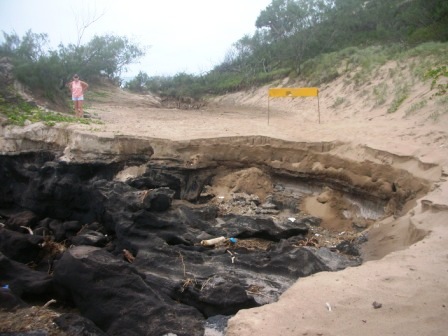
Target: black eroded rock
[(24, 281), (262, 227), (159, 199), (21, 247), (186, 182), (335, 261), (59, 230), (285, 260), (89, 237), (151, 218), (219, 295), (218, 280), (9, 301), (19, 220), (348, 247), (114, 295), (76, 325)]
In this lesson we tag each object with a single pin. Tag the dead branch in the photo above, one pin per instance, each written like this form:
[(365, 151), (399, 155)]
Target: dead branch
[(49, 303), (84, 23)]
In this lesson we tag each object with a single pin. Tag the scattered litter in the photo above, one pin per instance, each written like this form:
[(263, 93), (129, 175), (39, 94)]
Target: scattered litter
[(5, 287), (328, 306), (233, 256), (376, 305), (341, 233), (292, 219), (233, 240), (213, 241), (317, 235), (28, 229)]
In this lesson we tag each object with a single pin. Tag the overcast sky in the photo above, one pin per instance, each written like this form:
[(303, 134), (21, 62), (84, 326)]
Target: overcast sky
[(182, 35)]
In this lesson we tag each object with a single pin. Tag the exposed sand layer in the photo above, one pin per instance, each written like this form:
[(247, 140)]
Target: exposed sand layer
[(403, 289)]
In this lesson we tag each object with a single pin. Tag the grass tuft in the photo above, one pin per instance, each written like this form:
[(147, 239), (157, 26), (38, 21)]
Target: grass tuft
[(20, 113), (400, 96)]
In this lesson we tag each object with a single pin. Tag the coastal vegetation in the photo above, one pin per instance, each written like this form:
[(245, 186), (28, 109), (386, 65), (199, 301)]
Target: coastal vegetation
[(306, 41), (315, 41)]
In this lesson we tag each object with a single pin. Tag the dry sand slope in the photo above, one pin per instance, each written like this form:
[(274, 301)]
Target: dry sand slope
[(410, 285)]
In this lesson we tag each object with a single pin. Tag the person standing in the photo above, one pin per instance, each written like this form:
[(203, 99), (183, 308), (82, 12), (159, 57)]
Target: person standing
[(77, 88)]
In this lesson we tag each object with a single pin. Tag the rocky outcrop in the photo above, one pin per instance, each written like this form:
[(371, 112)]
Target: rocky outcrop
[(114, 295), (74, 324), (23, 281), (114, 225), (128, 254)]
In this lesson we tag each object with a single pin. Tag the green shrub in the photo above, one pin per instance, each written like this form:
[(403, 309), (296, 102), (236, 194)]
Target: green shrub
[(380, 94), (435, 74)]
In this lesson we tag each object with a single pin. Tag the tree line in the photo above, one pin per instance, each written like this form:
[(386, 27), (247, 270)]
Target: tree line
[(45, 71), (290, 33)]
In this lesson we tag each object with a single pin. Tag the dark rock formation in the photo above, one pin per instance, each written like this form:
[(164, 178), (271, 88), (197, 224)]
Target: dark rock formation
[(90, 238), (114, 295), (23, 281), (127, 254), (9, 301), (20, 247), (75, 325), (265, 228)]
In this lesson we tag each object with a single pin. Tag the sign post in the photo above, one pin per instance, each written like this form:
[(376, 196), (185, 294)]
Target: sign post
[(294, 92)]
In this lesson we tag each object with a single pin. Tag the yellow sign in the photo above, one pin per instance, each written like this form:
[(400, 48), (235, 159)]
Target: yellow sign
[(294, 92)]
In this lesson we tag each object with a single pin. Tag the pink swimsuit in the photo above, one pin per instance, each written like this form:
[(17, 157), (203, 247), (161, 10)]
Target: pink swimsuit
[(77, 89)]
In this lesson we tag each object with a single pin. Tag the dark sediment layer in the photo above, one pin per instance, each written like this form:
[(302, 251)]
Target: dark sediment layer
[(127, 252)]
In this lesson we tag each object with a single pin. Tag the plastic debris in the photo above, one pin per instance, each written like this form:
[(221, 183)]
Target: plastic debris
[(328, 306), (232, 255), (233, 240), (213, 241)]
